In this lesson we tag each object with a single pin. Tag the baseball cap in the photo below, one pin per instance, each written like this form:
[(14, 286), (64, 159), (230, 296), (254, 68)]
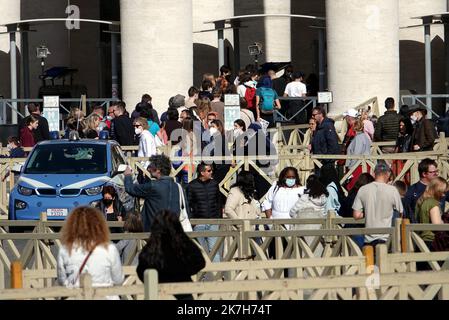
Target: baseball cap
[(351, 113), (177, 101)]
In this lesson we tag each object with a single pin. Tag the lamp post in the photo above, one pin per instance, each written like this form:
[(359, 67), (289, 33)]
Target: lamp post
[(255, 50), (42, 53)]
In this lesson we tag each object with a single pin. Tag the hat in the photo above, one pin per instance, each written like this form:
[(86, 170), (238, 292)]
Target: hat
[(417, 107), (351, 113), (177, 101)]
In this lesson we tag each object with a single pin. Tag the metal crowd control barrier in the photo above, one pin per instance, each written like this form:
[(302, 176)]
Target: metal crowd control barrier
[(12, 104), (308, 102), (421, 100)]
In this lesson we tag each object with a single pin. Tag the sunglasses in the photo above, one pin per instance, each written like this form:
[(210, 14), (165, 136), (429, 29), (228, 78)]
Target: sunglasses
[(137, 125)]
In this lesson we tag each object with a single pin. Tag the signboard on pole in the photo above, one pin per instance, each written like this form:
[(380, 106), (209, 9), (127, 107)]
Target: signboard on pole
[(231, 110), (51, 112), (325, 97)]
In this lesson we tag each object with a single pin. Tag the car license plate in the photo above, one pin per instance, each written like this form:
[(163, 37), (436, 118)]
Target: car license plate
[(57, 212)]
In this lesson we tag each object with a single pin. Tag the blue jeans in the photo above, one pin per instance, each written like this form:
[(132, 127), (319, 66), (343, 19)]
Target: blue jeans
[(208, 243)]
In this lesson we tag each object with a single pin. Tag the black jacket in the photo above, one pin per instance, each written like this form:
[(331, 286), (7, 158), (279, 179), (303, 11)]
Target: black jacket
[(325, 140), (41, 133), (387, 127), (178, 265), (204, 199), (123, 130)]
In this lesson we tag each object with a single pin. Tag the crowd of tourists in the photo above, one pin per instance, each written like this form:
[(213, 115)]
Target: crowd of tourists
[(194, 125)]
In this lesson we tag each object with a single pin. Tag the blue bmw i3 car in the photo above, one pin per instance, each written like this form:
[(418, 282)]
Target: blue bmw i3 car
[(60, 175)]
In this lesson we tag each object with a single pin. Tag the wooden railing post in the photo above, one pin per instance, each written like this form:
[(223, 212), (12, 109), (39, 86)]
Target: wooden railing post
[(368, 252), (151, 284), (382, 258), (86, 286), (16, 275), (245, 239), (404, 236)]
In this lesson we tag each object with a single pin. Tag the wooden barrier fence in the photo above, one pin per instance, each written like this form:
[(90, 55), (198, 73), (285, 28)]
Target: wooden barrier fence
[(290, 152)]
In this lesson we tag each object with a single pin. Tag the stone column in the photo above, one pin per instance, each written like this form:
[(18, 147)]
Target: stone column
[(363, 52), (277, 46), (157, 50), (10, 12)]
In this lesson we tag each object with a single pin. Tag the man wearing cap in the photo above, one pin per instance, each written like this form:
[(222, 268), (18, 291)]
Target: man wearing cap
[(296, 89), (376, 202), (387, 127), (174, 102), (424, 134)]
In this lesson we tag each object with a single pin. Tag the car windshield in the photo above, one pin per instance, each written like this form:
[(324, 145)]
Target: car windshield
[(68, 159)]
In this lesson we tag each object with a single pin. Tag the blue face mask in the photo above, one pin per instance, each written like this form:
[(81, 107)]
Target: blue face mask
[(290, 182)]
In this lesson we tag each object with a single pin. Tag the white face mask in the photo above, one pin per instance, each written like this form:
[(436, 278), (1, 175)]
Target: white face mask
[(237, 132), (213, 131), (138, 131), (9, 146), (109, 118)]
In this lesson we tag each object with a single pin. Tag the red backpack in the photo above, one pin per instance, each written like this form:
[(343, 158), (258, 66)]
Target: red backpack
[(250, 97)]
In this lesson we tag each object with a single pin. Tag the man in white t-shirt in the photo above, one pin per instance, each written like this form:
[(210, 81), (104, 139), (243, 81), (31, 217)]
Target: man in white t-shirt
[(376, 202), (296, 89)]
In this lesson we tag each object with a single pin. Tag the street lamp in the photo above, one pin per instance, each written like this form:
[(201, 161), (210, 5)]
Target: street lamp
[(255, 50), (42, 53)]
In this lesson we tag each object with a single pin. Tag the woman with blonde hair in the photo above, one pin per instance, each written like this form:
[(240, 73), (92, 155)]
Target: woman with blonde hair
[(91, 130), (428, 207), (86, 248), (147, 142)]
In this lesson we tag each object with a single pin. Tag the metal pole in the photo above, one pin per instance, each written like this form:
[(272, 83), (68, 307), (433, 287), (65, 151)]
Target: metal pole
[(446, 53), (321, 58), (13, 66), (428, 58), (114, 67), (236, 32), (25, 63), (221, 51)]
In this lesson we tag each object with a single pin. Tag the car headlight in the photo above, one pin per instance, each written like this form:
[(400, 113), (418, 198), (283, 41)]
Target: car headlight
[(94, 190), (19, 205), (25, 191)]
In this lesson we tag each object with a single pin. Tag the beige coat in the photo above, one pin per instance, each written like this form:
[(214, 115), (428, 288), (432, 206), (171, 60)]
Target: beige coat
[(238, 207)]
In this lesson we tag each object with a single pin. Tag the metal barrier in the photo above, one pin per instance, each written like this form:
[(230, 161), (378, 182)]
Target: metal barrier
[(12, 104), (421, 99)]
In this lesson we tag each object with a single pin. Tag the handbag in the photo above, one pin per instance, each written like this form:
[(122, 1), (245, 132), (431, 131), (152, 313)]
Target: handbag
[(183, 216)]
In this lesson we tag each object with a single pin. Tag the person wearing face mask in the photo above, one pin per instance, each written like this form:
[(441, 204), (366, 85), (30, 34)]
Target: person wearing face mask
[(211, 116), (147, 143), (14, 148), (282, 195), (111, 207), (218, 147), (424, 134)]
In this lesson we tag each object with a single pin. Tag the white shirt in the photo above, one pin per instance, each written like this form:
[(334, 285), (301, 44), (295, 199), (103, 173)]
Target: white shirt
[(281, 200), (296, 89), (147, 144), (103, 265)]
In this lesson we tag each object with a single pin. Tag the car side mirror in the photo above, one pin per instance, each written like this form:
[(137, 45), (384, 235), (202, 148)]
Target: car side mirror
[(121, 168), (17, 168)]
